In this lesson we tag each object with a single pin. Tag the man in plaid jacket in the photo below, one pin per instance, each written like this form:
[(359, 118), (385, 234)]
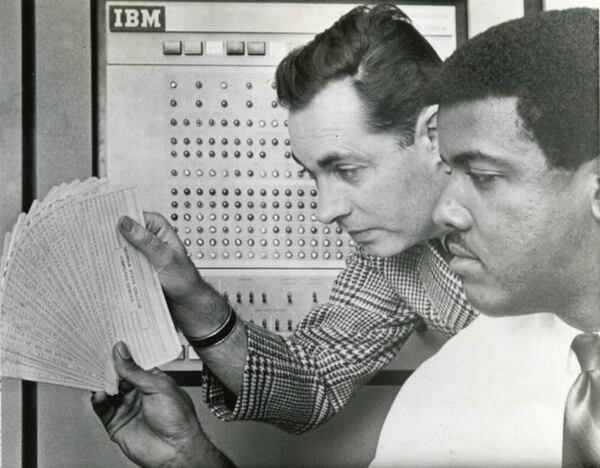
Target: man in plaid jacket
[(360, 126)]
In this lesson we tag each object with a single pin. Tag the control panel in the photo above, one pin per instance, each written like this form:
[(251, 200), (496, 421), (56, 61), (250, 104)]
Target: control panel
[(188, 112)]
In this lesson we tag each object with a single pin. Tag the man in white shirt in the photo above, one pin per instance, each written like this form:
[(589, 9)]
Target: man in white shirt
[(520, 138)]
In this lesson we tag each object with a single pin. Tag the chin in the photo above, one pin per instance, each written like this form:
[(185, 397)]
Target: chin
[(384, 249), (490, 301)]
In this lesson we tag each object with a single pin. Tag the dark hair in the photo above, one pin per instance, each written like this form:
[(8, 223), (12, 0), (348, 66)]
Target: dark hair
[(390, 64), (549, 61)]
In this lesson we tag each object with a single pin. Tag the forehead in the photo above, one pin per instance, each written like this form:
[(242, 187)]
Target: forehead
[(489, 126), (335, 121), (337, 106)]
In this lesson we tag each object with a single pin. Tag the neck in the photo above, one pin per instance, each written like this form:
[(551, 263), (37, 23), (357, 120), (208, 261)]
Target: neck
[(586, 319), (581, 309)]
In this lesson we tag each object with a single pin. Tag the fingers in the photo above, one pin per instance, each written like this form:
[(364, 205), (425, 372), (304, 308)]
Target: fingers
[(125, 387), (159, 226), (133, 374), (103, 406), (155, 250)]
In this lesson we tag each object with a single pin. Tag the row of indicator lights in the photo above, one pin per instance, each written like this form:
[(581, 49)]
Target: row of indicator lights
[(275, 255), (225, 141), (224, 103), (264, 242), (238, 216), (236, 173), (223, 85), (250, 192), (250, 217), (238, 205), (224, 122), (225, 154), (263, 230)]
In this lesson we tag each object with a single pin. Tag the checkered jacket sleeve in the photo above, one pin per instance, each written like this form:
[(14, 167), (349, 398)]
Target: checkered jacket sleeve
[(299, 382)]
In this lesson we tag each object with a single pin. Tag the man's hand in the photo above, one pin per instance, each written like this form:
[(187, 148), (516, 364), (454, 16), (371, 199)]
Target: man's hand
[(153, 420), (165, 251), (197, 308)]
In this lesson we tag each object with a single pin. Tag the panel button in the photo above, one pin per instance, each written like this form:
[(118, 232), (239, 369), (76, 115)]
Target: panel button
[(256, 48), (235, 47), (172, 47), (193, 48), (278, 49), (214, 47)]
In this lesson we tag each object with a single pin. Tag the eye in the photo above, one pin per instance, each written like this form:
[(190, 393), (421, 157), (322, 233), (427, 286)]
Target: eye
[(482, 180), (350, 174)]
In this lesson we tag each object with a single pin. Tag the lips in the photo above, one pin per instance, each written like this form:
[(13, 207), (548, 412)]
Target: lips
[(464, 260), (458, 247), (359, 235)]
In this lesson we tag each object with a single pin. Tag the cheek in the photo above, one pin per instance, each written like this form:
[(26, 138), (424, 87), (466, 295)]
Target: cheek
[(523, 239), (506, 230)]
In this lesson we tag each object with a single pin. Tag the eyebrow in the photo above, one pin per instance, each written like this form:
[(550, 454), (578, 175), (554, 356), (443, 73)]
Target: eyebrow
[(330, 160), (324, 163), (462, 159)]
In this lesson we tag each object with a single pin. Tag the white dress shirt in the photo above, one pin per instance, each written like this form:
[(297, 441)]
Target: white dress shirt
[(494, 395)]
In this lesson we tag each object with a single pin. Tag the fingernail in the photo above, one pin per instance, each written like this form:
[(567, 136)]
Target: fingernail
[(123, 350), (126, 223)]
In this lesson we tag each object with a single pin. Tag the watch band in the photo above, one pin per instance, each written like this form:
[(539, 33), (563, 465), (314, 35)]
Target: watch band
[(217, 336)]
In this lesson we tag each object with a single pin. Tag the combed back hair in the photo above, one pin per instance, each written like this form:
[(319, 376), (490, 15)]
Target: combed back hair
[(389, 63), (549, 62)]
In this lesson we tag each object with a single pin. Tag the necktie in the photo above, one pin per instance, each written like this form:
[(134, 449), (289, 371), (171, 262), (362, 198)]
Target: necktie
[(581, 436)]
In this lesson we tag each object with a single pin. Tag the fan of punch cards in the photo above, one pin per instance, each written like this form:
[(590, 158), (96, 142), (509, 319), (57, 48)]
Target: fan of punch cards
[(71, 287)]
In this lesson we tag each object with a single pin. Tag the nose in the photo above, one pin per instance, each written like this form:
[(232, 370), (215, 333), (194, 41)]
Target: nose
[(333, 205), (449, 213)]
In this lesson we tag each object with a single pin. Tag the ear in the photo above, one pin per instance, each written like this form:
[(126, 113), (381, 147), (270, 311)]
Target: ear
[(589, 178), (595, 199), (426, 133)]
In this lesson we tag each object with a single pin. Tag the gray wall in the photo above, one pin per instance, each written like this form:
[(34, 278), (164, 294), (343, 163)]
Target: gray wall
[(10, 187)]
